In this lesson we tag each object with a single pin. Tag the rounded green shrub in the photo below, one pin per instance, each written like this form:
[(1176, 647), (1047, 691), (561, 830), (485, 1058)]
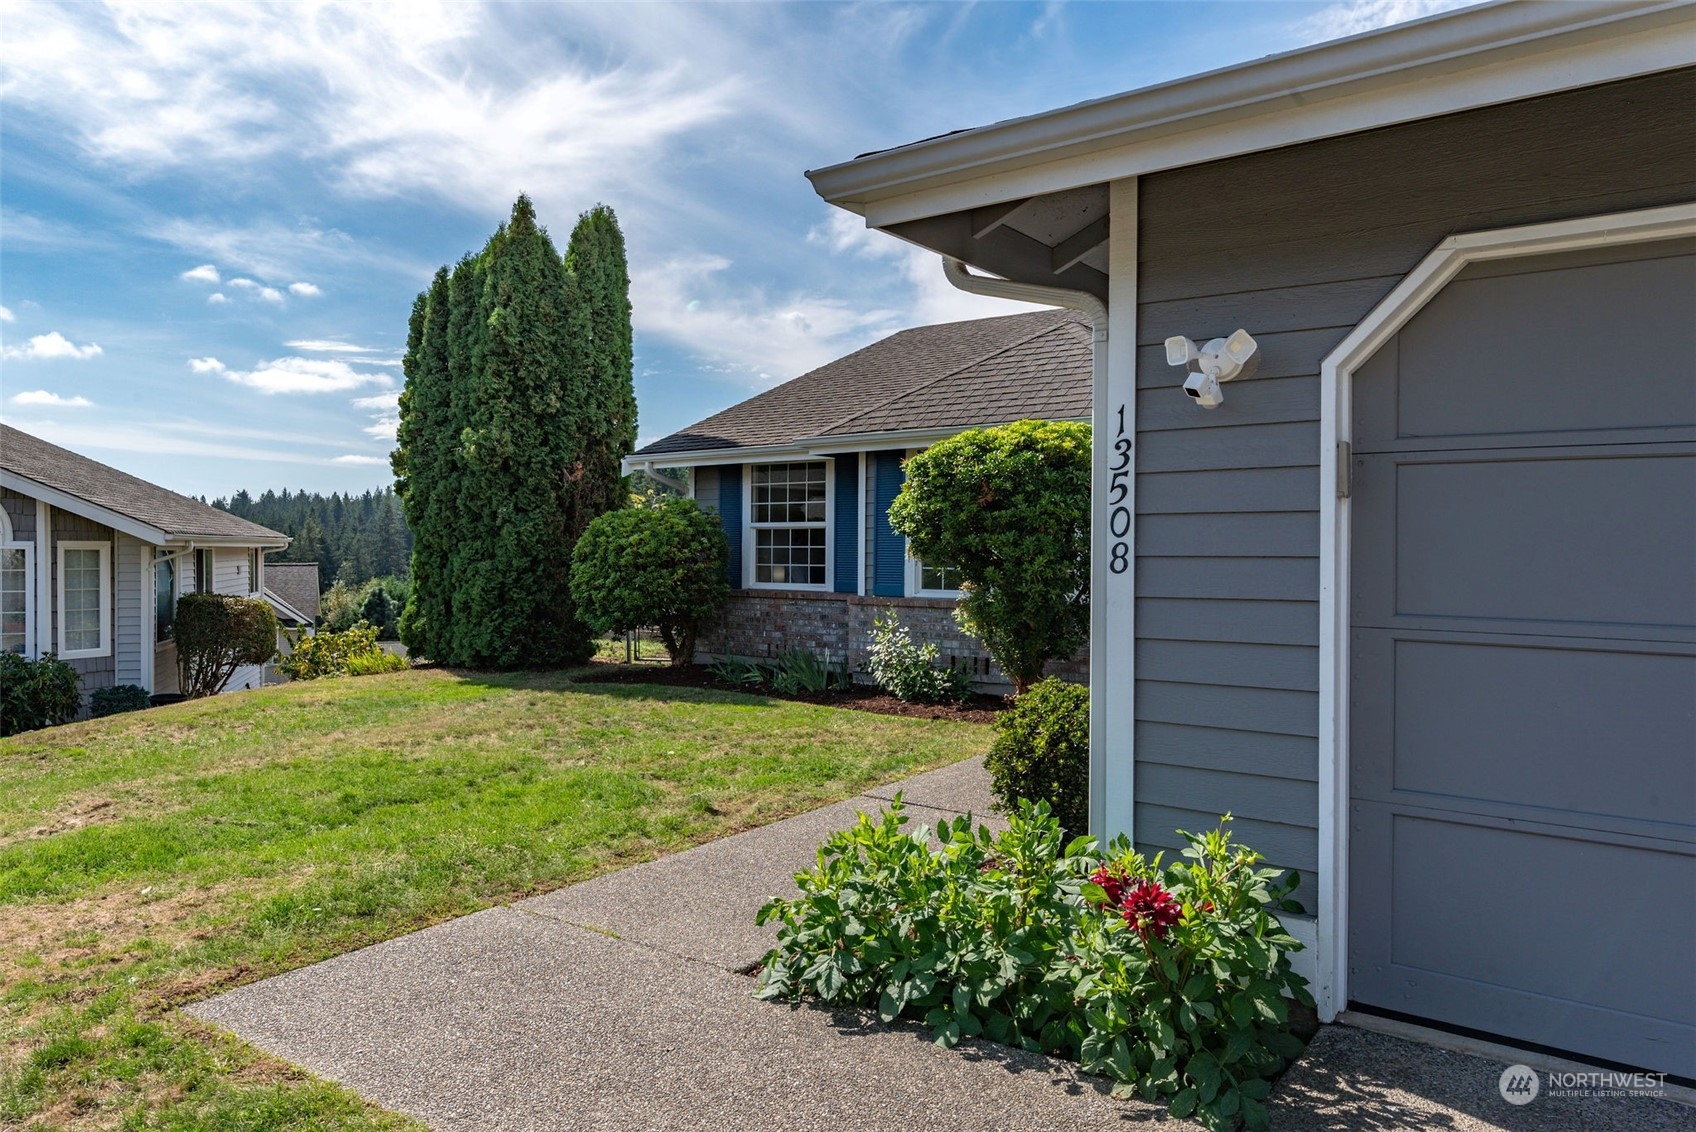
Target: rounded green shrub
[(36, 693), (1041, 752), (116, 699), (662, 565), (217, 634), (1008, 507)]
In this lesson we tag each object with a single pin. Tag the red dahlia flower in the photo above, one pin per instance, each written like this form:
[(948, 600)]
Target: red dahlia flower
[(1150, 910), (1111, 882)]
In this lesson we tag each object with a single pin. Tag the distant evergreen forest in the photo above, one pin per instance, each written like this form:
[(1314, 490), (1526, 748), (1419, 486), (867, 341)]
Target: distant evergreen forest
[(353, 538)]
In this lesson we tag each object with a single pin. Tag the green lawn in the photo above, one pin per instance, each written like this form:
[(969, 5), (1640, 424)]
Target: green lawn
[(153, 859)]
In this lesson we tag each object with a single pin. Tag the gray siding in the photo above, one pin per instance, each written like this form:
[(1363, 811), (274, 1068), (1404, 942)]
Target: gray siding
[(20, 510), (93, 672), (1297, 245), (132, 618)]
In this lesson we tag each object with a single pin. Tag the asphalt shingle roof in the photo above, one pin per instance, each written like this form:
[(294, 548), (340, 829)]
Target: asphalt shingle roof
[(104, 486), (955, 374), (295, 583)]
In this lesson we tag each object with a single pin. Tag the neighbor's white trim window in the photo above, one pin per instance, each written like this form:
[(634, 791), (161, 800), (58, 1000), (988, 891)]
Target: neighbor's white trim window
[(85, 599), (790, 508), (925, 580), (17, 598)]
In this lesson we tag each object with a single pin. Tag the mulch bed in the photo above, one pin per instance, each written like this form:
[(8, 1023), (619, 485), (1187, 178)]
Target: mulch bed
[(978, 709)]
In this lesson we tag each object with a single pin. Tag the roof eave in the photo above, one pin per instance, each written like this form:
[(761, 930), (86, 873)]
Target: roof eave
[(77, 505), (1475, 57)]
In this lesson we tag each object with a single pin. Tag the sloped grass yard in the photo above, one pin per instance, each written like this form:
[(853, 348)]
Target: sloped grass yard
[(152, 859)]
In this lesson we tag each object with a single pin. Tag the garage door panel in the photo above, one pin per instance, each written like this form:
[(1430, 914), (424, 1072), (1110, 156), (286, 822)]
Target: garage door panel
[(1522, 659), (1572, 943), (1591, 731), (1560, 539), (1516, 355)]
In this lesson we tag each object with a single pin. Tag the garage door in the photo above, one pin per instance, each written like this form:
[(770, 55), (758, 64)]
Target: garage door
[(1523, 659)]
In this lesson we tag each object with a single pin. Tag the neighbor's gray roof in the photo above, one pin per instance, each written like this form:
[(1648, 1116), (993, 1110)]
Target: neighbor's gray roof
[(96, 483), (295, 583), (956, 374)]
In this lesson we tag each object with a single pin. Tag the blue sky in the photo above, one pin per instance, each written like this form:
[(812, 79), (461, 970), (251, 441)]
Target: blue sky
[(215, 217)]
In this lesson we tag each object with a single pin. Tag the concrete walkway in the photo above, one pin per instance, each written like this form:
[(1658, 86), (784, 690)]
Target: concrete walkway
[(621, 1003)]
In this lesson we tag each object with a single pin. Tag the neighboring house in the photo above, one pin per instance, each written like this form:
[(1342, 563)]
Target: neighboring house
[(802, 477), (292, 590), (1417, 603), (94, 561)]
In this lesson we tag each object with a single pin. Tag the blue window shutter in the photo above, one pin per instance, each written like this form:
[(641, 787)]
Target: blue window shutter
[(848, 523), (730, 515), (889, 550)]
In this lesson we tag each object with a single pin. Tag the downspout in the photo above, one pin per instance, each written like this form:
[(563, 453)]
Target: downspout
[(1095, 310)]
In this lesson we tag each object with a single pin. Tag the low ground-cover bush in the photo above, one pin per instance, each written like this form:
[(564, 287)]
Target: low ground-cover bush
[(116, 699), (35, 693), (1170, 979), (909, 672), (1041, 752), (353, 652)]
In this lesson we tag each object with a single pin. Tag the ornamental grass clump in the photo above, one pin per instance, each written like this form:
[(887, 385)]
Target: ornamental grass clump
[(1172, 980)]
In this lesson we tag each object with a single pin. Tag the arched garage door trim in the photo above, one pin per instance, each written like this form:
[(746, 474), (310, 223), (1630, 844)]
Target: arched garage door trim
[(1336, 375)]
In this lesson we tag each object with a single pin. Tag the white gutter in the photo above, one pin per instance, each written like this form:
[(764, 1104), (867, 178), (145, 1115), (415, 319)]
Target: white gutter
[(1479, 56), (1083, 302)]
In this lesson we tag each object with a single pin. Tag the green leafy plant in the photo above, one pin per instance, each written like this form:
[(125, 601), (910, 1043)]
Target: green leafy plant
[(217, 634), (353, 652), (909, 672), (1009, 506), (1041, 752), (116, 699), (734, 670), (662, 565), (1171, 981), (800, 670), (36, 693)]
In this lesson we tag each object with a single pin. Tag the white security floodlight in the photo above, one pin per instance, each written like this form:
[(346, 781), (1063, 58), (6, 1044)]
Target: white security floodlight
[(1219, 360)]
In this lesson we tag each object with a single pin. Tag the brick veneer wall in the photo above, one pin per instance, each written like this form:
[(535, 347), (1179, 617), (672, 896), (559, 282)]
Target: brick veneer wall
[(757, 624)]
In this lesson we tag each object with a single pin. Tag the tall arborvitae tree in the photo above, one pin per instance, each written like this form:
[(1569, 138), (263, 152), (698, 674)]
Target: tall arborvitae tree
[(505, 441), (600, 280), (425, 471)]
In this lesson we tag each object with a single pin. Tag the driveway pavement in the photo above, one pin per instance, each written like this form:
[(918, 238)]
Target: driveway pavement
[(622, 1003)]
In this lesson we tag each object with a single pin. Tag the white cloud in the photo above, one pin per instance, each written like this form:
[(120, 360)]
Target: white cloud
[(293, 375), (309, 290), (386, 406), (328, 346), (205, 273), (449, 99), (45, 399), (244, 284), (6, 315), (270, 294), (364, 461), (1356, 16), (217, 297), (51, 345)]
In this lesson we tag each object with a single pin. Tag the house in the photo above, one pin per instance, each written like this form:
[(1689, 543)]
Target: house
[(803, 474), (292, 589), (1417, 601), (95, 559)]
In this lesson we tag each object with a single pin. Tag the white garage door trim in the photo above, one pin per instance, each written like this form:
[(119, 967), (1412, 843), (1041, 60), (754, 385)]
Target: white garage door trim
[(1336, 377)]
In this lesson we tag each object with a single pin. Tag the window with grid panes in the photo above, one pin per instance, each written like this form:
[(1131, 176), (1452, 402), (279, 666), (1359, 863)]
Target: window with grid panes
[(787, 516)]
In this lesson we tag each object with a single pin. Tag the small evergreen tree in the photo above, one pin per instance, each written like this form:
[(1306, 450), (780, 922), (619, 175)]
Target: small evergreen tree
[(662, 564)]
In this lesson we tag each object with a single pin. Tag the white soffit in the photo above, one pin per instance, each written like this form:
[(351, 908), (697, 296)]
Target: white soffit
[(1478, 56)]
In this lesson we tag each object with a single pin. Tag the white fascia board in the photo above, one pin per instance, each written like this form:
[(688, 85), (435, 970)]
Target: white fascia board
[(714, 456), (285, 608), (1459, 61), (65, 501), (231, 542)]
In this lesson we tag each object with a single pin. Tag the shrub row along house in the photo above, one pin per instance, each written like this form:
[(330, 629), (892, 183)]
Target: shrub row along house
[(93, 560), (802, 477), (1416, 602)]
